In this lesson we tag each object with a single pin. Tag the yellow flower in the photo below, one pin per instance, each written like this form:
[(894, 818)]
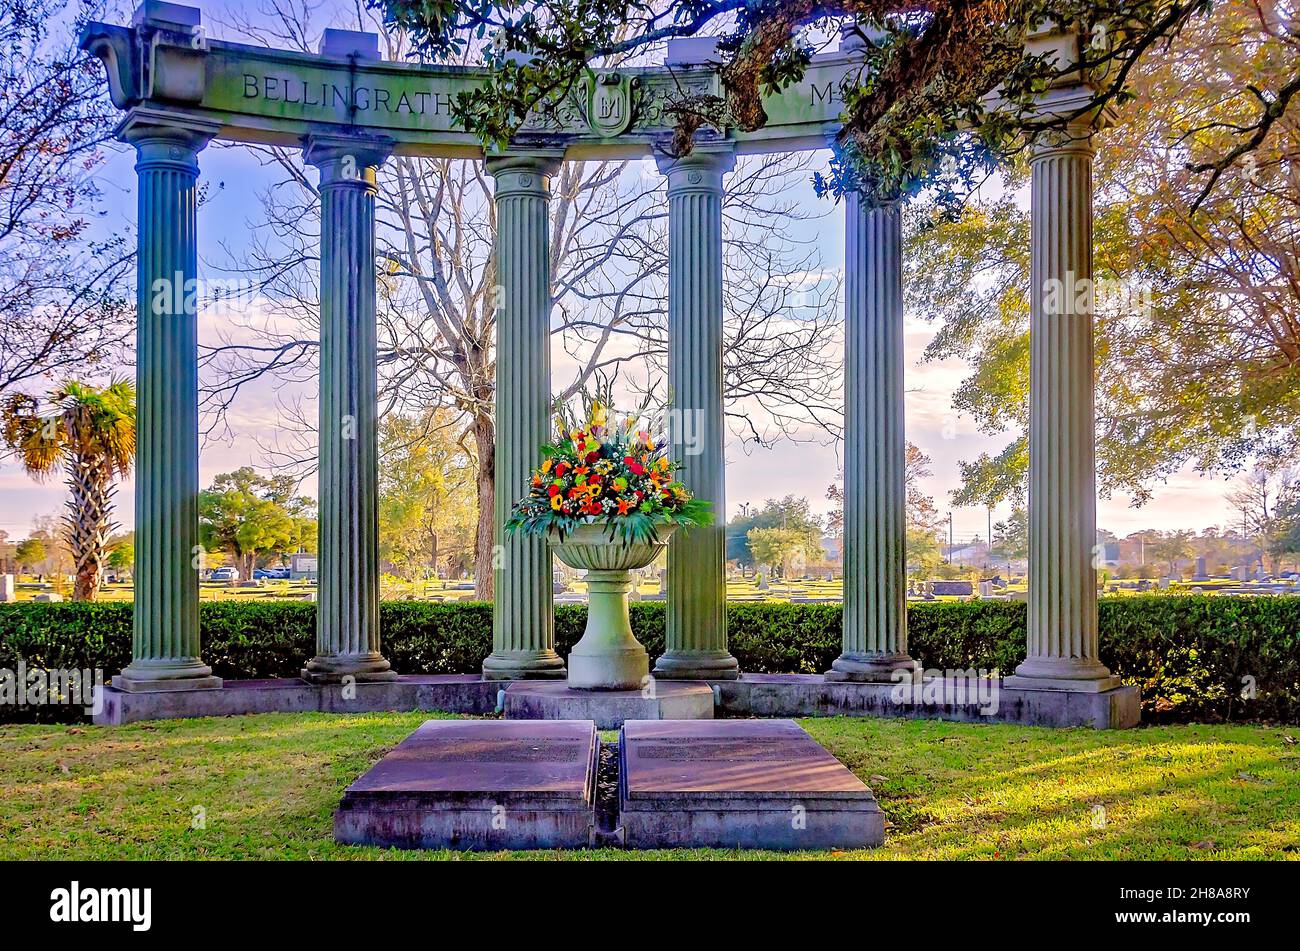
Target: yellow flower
[(598, 414), (546, 466), (556, 502)]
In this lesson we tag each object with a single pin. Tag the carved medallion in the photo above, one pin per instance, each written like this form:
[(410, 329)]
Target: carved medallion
[(611, 104)]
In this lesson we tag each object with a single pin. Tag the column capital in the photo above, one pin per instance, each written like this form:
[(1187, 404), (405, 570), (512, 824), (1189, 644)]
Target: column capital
[(162, 137), (346, 159), (1073, 139), (868, 201), (524, 173), (700, 170)]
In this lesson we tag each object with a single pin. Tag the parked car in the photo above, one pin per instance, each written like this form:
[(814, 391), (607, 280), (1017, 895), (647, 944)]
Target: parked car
[(224, 573), (272, 574)]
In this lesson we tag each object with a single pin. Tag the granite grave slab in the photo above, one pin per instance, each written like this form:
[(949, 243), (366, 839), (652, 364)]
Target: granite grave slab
[(478, 785), (763, 784)]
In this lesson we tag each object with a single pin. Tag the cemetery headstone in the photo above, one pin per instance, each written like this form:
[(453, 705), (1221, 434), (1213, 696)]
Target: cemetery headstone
[(762, 784), (479, 785)]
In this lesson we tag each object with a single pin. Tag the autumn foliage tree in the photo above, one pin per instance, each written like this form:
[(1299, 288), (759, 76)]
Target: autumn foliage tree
[(1198, 297)]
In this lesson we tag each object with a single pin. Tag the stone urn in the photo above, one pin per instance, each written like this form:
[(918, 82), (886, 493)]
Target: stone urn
[(608, 657)]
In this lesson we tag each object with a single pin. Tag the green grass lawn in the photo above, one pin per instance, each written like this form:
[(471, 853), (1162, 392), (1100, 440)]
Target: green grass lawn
[(267, 786)]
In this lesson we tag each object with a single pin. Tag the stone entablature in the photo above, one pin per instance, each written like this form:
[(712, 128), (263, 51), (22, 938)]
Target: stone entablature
[(276, 97)]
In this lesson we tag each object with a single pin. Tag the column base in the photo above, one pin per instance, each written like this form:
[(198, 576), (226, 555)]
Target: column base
[(874, 668), (153, 676), (524, 665), (1081, 676), (333, 668), (697, 665)]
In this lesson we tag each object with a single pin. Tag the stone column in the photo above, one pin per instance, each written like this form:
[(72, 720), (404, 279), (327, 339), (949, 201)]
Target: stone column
[(696, 641), (523, 628), (1062, 638), (347, 625), (165, 642), (875, 490)]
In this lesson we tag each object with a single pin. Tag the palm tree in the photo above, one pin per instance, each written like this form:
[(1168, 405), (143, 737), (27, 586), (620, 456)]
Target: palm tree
[(90, 435)]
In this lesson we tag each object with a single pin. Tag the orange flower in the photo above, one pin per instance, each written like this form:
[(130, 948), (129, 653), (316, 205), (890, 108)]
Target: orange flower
[(623, 506)]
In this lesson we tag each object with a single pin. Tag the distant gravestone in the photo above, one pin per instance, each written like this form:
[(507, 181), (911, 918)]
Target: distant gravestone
[(1200, 574), (952, 588), (762, 582), (303, 566), (50, 597), (8, 588)]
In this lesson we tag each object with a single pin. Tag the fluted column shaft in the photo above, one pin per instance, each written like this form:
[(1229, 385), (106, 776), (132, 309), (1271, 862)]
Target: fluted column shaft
[(347, 625), (875, 490), (523, 628), (165, 641), (696, 636), (1062, 635)]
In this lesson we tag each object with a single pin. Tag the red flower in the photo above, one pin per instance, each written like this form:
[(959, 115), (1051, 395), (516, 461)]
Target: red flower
[(592, 457), (552, 490), (561, 468)]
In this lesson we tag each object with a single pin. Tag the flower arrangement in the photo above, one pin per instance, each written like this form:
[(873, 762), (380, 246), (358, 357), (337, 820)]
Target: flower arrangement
[(594, 472)]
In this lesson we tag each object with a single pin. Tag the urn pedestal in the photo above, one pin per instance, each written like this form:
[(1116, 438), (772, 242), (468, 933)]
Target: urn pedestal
[(608, 657)]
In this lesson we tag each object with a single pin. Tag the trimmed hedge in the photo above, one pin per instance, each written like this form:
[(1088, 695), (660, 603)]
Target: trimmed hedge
[(1191, 655)]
